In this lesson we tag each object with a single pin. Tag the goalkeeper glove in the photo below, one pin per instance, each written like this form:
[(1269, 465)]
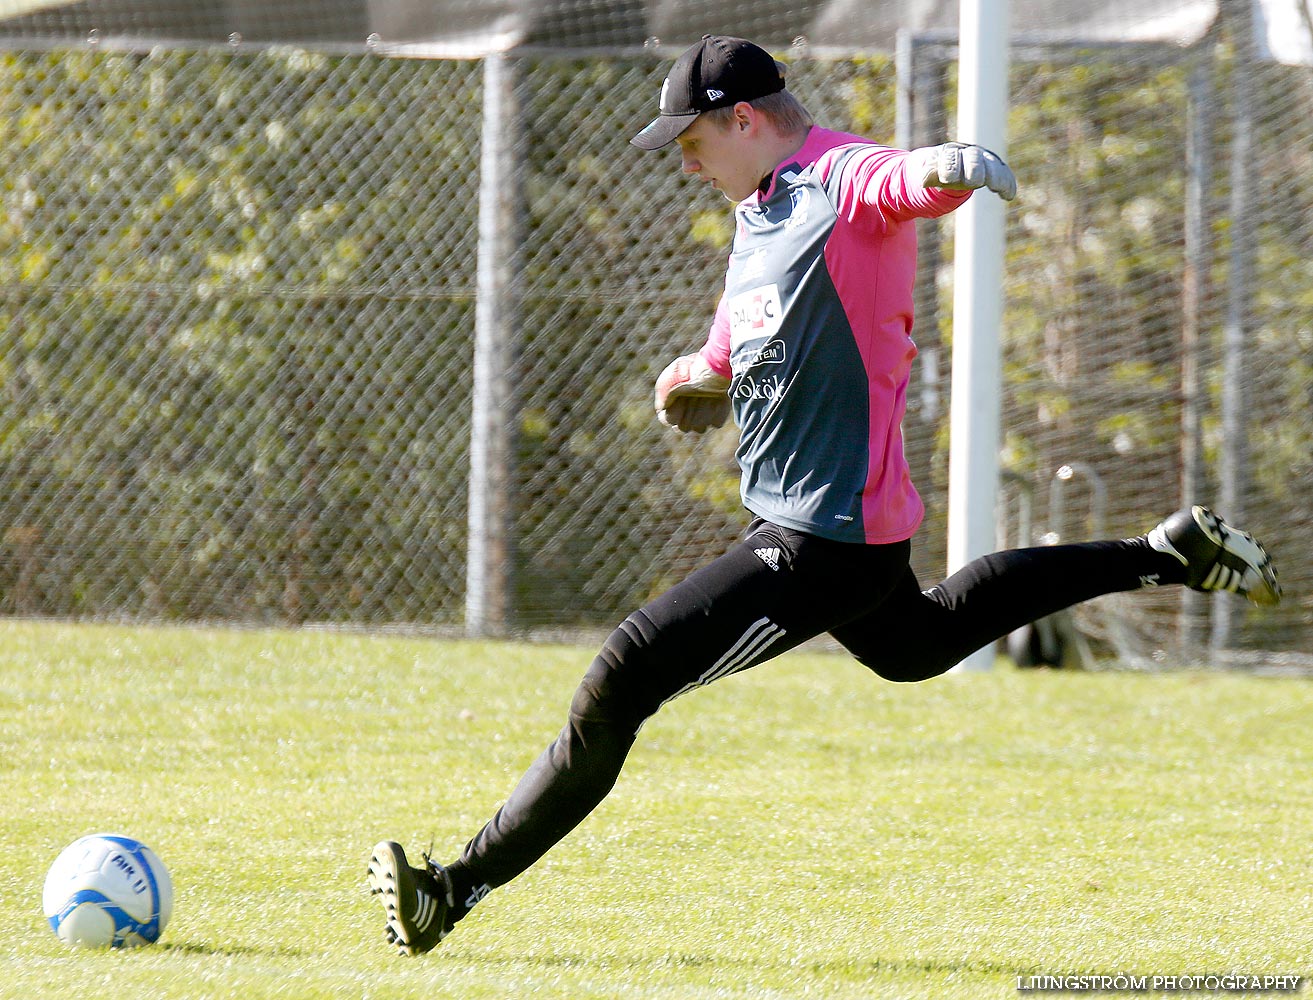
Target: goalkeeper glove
[(962, 167), (690, 396)]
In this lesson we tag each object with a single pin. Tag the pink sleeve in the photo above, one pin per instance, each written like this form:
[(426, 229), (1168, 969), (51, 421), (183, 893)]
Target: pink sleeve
[(715, 352), (878, 185)]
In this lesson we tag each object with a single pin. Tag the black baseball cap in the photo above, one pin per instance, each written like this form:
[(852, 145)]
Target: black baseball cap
[(717, 72)]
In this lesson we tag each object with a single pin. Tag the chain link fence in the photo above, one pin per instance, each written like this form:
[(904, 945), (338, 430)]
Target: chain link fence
[(236, 334), (239, 290)]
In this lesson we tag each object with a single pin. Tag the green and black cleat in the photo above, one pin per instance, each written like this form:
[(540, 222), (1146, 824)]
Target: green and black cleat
[(419, 902)]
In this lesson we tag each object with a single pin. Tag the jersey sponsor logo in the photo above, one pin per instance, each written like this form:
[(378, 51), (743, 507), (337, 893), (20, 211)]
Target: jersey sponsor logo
[(757, 312), (771, 353), (765, 387), (750, 384)]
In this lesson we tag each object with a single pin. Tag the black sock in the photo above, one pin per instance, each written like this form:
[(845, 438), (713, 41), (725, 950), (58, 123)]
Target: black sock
[(1166, 566), (466, 890)]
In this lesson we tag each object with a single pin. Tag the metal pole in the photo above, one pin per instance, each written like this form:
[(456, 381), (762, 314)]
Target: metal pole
[(1194, 300), (920, 121), (977, 298), (1238, 327), (487, 572)]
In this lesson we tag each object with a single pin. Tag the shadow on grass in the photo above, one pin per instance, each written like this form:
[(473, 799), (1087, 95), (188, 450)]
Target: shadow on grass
[(847, 968), (227, 950)]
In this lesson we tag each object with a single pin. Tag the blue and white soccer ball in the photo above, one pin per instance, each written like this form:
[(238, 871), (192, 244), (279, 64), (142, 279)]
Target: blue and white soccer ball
[(108, 891)]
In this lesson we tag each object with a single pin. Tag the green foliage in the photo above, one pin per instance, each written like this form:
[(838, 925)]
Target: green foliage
[(237, 317), (1094, 260), (189, 284)]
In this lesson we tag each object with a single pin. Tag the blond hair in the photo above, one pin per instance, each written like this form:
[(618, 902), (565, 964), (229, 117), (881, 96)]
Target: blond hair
[(784, 111)]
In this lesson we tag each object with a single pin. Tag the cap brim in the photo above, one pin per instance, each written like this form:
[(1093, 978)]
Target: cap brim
[(663, 131)]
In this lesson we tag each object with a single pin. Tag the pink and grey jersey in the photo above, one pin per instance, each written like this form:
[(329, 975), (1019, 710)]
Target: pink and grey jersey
[(814, 328)]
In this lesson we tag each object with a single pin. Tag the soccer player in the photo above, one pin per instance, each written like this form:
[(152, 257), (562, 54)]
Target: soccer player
[(811, 348)]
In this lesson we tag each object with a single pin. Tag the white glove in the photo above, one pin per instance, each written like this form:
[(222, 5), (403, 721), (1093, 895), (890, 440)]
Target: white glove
[(690, 396), (962, 167)]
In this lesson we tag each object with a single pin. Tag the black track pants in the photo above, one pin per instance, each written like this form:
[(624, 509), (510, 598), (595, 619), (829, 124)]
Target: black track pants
[(770, 592)]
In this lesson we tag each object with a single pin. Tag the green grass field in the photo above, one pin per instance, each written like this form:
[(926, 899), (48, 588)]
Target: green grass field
[(801, 830)]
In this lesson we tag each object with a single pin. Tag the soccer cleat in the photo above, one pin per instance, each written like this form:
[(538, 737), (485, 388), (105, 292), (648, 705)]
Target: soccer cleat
[(419, 902), (1217, 556)]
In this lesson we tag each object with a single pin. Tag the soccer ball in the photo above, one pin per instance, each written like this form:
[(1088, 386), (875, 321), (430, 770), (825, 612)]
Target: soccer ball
[(108, 891)]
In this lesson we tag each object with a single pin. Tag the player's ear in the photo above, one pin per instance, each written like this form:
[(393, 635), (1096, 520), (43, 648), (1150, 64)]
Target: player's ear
[(744, 116)]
